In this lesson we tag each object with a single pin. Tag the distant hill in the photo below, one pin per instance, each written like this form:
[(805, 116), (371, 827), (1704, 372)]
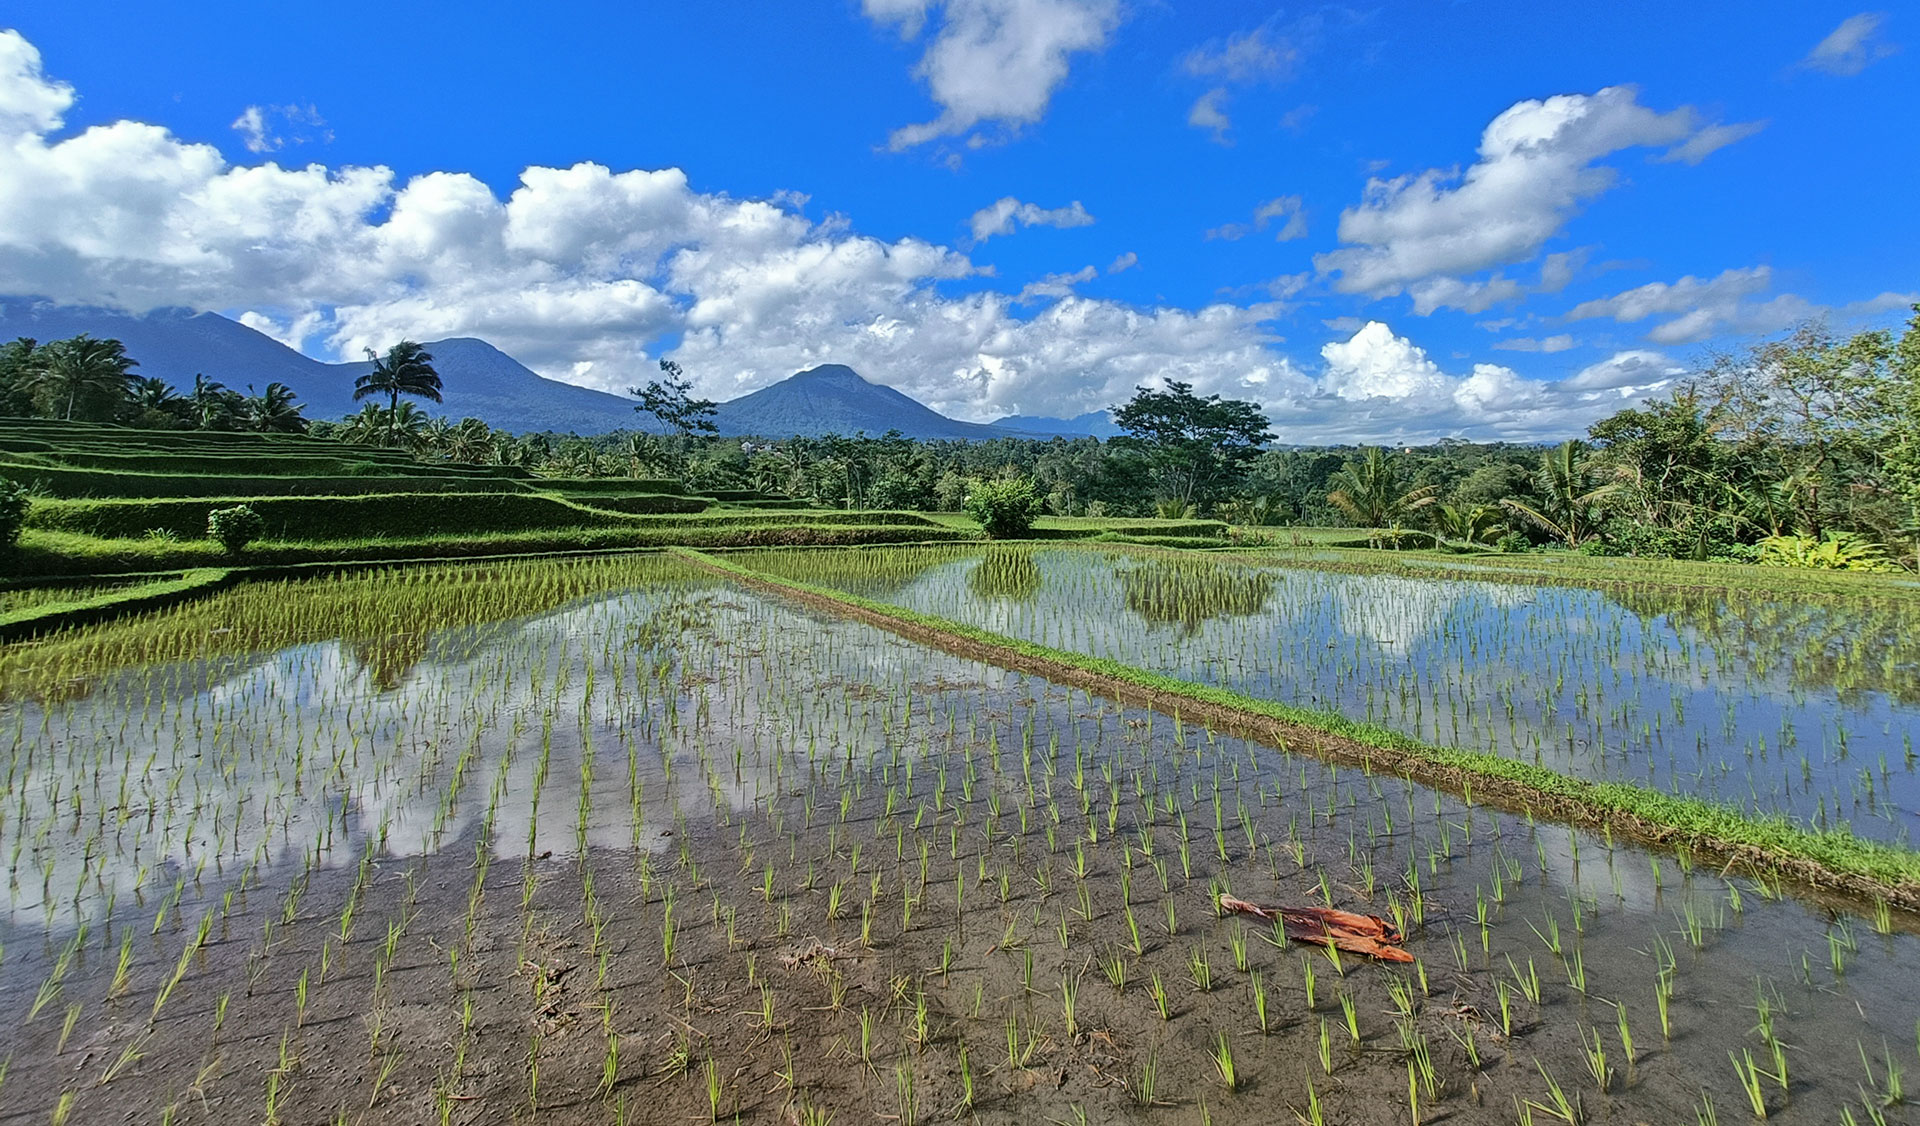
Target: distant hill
[(833, 399), (485, 383), (1098, 424)]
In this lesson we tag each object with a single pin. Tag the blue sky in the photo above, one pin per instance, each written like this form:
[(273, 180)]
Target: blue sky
[(1395, 223)]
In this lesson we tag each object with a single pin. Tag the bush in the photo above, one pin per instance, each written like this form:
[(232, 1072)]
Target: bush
[(1839, 551), (1513, 542), (14, 501), (1004, 508), (235, 527)]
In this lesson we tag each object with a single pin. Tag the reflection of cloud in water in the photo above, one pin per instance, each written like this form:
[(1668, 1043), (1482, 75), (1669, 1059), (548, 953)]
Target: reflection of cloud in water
[(306, 754), (1396, 614)]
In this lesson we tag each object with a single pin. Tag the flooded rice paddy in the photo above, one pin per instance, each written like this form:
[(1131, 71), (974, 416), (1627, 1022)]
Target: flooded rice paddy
[(1797, 706), (618, 841)]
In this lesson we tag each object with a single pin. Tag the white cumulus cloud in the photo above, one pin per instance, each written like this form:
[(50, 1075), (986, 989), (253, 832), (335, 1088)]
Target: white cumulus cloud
[(1538, 163), (1389, 390), (993, 60)]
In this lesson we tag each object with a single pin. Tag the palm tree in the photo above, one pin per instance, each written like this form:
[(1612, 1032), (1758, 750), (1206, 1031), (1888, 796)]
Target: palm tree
[(407, 427), (152, 393), (471, 441), (436, 436), (368, 428), (1479, 524), (1571, 510), (406, 369), (81, 371), (214, 406), (1369, 493), (275, 410)]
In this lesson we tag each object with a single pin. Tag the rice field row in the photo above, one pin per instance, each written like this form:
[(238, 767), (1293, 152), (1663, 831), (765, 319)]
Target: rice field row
[(1803, 708), (655, 848)]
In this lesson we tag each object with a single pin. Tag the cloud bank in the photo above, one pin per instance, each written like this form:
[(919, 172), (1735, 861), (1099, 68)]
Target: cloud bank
[(589, 274)]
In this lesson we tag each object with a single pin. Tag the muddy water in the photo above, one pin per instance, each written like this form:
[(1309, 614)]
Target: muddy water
[(473, 850)]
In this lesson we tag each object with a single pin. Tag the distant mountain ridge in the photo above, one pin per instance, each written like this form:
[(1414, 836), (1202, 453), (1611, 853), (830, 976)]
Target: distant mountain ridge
[(1097, 424), (483, 382)]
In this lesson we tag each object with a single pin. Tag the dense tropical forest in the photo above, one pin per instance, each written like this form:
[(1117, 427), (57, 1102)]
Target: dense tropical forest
[(1803, 449)]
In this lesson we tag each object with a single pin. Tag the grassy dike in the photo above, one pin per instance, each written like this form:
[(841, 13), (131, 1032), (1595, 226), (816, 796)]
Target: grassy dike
[(1834, 862), (47, 617)]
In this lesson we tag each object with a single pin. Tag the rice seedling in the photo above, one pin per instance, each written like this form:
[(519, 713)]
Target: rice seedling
[(1222, 1053)]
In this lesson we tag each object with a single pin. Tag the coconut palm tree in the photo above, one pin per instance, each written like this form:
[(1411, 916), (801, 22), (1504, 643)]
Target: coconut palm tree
[(1369, 492), (407, 427), (214, 406), (406, 369), (1570, 511), (470, 441), (1478, 524), (367, 428), (274, 411), (81, 372)]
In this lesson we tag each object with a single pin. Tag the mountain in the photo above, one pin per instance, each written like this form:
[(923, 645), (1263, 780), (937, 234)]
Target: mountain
[(1098, 424), (834, 399), (485, 383)]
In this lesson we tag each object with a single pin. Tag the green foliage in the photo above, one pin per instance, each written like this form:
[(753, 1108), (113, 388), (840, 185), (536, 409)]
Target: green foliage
[(1199, 448), (645, 504), (234, 528), (400, 515), (1005, 508), (82, 376), (667, 400), (85, 606), (1570, 510), (1370, 492), (14, 502), (1836, 551), (60, 481)]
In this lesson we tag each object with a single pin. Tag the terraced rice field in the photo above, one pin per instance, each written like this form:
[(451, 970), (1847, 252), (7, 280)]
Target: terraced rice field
[(620, 840), (1803, 707)]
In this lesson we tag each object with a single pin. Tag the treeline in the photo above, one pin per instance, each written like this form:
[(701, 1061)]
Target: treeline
[(83, 379), (1804, 449)]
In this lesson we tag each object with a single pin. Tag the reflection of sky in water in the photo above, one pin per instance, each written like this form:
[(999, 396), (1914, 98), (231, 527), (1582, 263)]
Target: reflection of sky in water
[(270, 759), (1566, 677), (302, 746)]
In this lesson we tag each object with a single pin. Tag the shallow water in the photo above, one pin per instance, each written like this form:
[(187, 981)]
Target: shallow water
[(1804, 708), (978, 835)]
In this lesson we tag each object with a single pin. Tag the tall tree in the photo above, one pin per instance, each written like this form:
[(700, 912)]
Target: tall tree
[(1199, 448), (16, 375), (84, 374), (406, 369), (669, 401), (1800, 399)]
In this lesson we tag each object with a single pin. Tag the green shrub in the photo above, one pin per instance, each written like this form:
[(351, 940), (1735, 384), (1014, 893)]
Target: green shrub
[(1513, 542), (1005, 509), (14, 502), (235, 527), (1839, 551)]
